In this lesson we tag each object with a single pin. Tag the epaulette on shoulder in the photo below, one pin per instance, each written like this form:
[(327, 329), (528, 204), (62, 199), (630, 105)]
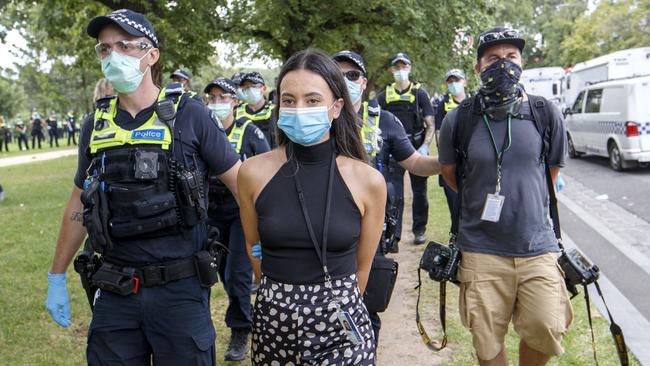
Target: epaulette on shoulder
[(104, 103), (174, 89), (373, 108)]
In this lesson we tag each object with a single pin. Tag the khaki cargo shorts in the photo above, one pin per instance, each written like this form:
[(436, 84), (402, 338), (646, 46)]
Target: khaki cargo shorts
[(528, 290)]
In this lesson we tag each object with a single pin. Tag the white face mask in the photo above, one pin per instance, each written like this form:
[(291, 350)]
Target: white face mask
[(401, 75), (221, 110), (252, 95)]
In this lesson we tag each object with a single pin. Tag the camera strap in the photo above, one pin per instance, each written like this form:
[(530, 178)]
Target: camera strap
[(615, 329), (436, 346)]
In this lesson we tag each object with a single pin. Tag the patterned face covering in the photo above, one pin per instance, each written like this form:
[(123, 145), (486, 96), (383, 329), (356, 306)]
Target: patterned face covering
[(500, 90)]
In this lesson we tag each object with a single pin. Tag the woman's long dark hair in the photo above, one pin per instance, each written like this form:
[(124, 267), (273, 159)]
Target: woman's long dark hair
[(345, 130)]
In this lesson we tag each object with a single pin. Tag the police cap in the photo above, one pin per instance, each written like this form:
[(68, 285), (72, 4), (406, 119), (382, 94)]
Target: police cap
[(225, 84), (131, 22), (181, 74), (254, 77), (353, 57), (402, 56)]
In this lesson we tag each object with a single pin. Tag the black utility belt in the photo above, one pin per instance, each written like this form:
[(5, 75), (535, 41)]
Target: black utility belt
[(415, 135), (125, 280)]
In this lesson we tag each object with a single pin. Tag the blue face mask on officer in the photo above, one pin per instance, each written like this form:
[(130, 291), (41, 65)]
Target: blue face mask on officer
[(252, 95), (305, 126), (354, 89), (123, 71), (456, 88)]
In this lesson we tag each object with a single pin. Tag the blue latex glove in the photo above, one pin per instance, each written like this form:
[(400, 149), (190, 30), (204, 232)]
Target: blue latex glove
[(257, 250), (58, 302), (424, 150), (559, 183)]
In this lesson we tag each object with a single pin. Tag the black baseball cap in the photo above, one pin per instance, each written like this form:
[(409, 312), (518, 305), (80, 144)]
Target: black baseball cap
[(499, 35), (181, 74), (353, 57), (402, 56), (131, 22), (225, 84)]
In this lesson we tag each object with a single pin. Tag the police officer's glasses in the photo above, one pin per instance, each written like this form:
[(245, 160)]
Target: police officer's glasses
[(125, 47), (493, 36), (353, 75), (221, 97)]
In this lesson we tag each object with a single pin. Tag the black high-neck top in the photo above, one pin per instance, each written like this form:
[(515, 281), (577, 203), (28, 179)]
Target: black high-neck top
[(288, 254)]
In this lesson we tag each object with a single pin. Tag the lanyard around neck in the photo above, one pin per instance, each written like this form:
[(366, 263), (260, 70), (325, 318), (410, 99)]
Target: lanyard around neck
[(321, 250), (507, 142)]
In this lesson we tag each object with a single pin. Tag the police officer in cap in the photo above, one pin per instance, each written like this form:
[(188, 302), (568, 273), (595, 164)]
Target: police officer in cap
[(382, 134), (456, 84), (143, 162), (410, 103), (256, 107), (183, 77), (235, 271)]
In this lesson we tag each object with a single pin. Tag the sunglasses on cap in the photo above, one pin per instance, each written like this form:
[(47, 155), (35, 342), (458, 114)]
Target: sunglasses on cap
[(493, 36), (353, 75)]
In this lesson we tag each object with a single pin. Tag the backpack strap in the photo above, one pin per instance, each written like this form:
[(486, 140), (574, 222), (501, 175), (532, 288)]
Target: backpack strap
[(542, 113)]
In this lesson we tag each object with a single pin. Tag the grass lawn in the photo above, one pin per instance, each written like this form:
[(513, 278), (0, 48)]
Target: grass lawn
[(13, 148), (29, 222)]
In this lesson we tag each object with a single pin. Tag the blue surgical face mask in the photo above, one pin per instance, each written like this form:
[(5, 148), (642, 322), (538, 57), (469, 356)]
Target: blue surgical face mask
[(456, 88), (401, 75), (123, 71), (240, 94), (354, 89), (252, 95), (221, 110), (304, 126)]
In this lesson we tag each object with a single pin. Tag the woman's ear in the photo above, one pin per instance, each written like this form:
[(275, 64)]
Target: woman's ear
[(337, 108)]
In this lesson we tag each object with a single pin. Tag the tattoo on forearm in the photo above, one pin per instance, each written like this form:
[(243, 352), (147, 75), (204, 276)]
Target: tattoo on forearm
[(76, 216)]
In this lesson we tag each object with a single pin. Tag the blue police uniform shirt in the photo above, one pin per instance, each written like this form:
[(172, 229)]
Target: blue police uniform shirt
[(524, 228), (394, 139), (197, 139)]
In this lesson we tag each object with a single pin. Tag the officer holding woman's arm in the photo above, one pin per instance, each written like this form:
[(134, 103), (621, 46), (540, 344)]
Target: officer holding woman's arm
[(223, 211), (139, 194), (382, 134)]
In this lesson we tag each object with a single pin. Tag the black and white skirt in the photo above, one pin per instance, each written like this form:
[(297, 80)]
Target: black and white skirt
[(298, 325)]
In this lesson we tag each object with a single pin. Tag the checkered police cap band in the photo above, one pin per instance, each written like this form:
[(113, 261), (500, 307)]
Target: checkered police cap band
[(148, 32)]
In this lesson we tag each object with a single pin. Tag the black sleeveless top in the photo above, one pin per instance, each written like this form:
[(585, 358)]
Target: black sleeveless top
[(288, 254)]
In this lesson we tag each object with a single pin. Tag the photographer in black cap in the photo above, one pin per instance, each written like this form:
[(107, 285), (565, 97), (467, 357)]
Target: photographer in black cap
[(143, 162), (508, 268)]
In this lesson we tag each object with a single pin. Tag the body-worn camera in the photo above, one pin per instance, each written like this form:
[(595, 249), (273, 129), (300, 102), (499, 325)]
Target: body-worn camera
[(146, 165), (440, 261), (578, 270), (190, 196)]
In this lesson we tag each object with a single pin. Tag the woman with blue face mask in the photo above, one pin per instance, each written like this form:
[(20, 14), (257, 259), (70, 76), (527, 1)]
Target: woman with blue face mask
[(318, 209)]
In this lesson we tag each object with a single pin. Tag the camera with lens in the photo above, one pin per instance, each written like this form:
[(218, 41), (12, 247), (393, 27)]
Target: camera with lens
[(440, 261), (146, 165), (578, 270)]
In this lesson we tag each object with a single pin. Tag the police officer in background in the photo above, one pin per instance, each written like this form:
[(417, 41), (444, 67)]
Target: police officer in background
[(382, 134), (456, 84), (71, 127), (235, 270), (37, 129), (21, 135), (153, 299), (409, 102), (53, 130), (256, 107), (183, 77)]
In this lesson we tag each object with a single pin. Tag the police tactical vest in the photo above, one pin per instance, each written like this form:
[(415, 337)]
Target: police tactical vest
[(133, 171), (370, 132), (405, 107), (450, 103), (236, 135), (263, 114)]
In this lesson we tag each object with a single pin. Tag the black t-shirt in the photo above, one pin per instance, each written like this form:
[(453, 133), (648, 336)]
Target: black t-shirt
[(394, 140), (405, 111), (198, 138)]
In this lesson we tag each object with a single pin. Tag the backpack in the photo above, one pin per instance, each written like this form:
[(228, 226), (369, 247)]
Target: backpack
[(466, 121)]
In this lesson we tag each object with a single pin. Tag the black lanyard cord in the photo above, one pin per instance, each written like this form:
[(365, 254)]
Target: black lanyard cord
[(321, 250)]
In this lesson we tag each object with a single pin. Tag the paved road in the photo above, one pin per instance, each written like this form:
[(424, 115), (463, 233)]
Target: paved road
[(607, 215)]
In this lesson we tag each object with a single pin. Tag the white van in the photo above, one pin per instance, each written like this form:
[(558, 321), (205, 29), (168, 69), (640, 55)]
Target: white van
[(543, 81), (612, 119)]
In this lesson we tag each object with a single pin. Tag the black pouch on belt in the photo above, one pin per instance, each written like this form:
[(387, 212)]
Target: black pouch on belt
[(381, 282), (117, 280)]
